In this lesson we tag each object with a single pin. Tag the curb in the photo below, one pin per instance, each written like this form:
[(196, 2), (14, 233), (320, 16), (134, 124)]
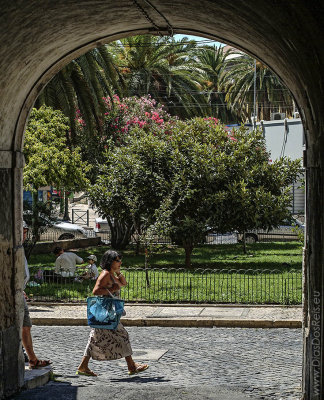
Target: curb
[(177, 305), (179, 322), (37, 377)]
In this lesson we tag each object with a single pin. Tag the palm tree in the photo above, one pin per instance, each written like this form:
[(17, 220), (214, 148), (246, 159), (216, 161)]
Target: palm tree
[(81, 85), (213, 61), (271, 94), (164, 68)]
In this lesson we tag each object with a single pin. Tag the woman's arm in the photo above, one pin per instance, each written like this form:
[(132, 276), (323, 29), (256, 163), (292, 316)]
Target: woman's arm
[(104, 280), (120, 279)]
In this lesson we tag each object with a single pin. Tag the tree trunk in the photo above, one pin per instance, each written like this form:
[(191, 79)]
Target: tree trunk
[(66, 207), (61, 202), (266, 107), (35, 233), (138, 240), (244, 242), (120, 234), (146, 269), (188, 251)]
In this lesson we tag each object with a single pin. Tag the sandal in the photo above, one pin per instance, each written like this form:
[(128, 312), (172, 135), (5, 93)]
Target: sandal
[(38, 363), (86, 373), (138, 368)]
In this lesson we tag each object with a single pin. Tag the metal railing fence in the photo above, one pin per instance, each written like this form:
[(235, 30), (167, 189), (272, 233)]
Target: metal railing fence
[(80, 217), (231, 238), (211, 238), (260, 286), (53, 234)]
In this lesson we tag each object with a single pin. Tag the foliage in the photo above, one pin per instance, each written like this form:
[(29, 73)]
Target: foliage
[(271, 94), (121, 117), (48, 159), (187, 176), (187, 78), (164, 68), (80, 87), (128, 188), (38, 216), (232, 184), (215, 64)]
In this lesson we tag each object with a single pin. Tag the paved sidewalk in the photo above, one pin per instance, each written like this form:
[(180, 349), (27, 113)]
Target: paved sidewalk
[(177, 315), (185, 363), (162, 315)]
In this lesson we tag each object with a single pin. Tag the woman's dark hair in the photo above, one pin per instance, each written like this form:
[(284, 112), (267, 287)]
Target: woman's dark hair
[(108, 258)]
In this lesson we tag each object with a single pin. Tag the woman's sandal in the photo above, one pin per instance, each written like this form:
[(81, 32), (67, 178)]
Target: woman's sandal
[(138, 368), (39, 363), (86, 373)]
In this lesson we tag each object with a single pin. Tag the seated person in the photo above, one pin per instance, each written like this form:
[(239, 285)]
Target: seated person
[(65, 264), (91, 270)]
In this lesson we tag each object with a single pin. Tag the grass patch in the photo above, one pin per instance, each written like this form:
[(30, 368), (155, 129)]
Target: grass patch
[(275, 255), (216, 286), (269, 273)]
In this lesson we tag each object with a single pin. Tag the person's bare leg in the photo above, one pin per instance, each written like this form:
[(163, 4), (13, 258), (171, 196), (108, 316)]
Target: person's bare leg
[(84, 366), (133, 366), (130, 363), (27, 342), (84, 363)]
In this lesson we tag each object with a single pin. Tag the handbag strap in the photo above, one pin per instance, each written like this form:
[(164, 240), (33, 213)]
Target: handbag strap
[(113, 296)]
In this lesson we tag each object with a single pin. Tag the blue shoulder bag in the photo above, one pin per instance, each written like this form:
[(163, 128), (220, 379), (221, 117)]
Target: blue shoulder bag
[(104, 312)]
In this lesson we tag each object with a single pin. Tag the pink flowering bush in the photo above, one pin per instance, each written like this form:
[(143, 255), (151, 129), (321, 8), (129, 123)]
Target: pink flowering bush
[(78, 119), (123, 115)]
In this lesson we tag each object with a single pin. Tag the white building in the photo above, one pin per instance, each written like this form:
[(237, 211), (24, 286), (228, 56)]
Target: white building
[(286, 138)]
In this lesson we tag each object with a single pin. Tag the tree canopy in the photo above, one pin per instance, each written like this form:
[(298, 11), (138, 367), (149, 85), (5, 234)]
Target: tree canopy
[(270, 94), (49, 161), (187, 78), (121, 115), (189, 177)]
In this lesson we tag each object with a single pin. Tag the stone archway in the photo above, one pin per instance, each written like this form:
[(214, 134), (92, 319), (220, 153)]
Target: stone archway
[(38, 38)]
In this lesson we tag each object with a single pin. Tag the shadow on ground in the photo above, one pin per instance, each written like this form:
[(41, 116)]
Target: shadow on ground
[(120, 391)]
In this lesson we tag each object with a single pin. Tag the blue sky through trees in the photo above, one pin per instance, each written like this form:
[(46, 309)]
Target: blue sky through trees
[(199, 39)]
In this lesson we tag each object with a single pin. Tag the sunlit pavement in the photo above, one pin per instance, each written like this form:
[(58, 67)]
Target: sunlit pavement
[(185, 363)]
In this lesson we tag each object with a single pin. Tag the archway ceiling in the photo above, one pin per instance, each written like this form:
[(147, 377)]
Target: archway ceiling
[(39, 37)]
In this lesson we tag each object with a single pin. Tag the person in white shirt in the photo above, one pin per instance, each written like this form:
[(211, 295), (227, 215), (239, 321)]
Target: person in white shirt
[(91, 270), (65, 264)]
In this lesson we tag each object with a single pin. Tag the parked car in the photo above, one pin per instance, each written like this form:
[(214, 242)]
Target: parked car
[(56, 229), (62, 230), (221, 238), (286, 232)]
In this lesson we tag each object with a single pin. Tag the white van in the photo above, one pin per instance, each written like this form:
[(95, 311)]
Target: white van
[(101, 225), (286, 232)]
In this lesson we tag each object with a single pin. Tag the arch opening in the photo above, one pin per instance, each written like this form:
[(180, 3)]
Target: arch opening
[(262, 27)]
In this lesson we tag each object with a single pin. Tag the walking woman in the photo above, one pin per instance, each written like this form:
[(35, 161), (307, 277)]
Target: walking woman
[(105, 344)]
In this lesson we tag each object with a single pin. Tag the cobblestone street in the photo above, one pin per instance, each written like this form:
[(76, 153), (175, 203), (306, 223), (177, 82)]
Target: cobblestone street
[(261, 363)]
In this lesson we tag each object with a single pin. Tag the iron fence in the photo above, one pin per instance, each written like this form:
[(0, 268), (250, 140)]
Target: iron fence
[(80, 217), (260, 286), (229, 238), (54, 234)]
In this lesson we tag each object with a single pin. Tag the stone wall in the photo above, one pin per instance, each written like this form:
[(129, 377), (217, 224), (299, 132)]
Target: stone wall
[(48, 247)]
